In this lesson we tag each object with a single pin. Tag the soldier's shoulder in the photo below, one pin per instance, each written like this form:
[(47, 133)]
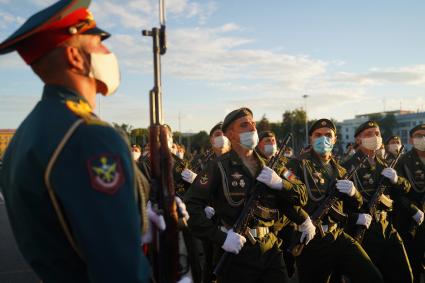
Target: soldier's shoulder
[(82, 110)]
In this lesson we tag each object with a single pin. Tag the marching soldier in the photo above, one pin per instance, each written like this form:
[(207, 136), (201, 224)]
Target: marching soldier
[(227, 182), (381, 241), (68, 177), (411, 207), (332, 249), (392, 148), (220, 144)]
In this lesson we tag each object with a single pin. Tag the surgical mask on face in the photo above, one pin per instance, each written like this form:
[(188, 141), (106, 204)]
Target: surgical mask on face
[(180, 154), (287, 154), (270, 149), (104, 68), (351, 152), (419, 143), (372, 143), (323, 145), (221, 142), (394, 148), (170, 144), (249, 140), (136, 155)]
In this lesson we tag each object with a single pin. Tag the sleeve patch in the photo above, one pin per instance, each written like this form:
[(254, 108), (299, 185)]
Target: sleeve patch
[(106, 174)]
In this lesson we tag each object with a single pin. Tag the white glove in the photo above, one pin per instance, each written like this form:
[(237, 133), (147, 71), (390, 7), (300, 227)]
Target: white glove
[(364, 219), (308, 231), (391, 174), (154, 218), (188, 175), (269, 177), (209, 212), (182, 208), (346, 187), (418, 217), (234, 242), (185, 279)]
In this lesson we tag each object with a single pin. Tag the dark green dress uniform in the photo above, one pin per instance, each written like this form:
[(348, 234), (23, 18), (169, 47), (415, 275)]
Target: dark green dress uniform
[(181, 186), (227, 182), (413, 169), (381, 241), (69, 185), (336, 251)]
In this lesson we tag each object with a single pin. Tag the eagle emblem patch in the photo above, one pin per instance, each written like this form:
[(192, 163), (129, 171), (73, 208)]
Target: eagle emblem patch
[(106, 174)]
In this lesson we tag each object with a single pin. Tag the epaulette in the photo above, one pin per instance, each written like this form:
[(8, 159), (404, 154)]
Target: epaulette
[(82, 109)]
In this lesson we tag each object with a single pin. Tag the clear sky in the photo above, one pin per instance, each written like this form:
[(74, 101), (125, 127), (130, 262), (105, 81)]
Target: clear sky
[(349, 57)]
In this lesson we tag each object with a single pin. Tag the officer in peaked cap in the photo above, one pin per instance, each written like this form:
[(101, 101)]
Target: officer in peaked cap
[(68, 178)]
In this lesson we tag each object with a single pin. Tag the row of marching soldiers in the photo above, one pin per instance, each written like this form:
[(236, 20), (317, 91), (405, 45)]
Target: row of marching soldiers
[(286, 240)]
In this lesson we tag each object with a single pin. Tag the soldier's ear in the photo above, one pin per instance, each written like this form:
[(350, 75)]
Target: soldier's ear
[(75, 58)]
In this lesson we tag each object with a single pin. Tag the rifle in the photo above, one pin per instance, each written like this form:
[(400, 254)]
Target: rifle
[(165, 254), (196, 163), (325, 208), (247, 214), (376, 199)]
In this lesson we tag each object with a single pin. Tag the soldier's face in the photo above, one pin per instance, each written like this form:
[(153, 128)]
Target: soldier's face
[(268, 140), (395, 141), (368, 133), (241, 125), (417, 135), (323, 132)]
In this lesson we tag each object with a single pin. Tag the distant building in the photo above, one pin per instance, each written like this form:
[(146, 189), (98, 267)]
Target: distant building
[(5, 138), (406, 120)]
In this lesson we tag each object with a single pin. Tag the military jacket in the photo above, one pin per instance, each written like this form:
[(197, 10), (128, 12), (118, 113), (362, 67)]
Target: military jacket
[(411, 167), (367, 177), (68, 180), (310, 169), (180, 185), (227, 183)]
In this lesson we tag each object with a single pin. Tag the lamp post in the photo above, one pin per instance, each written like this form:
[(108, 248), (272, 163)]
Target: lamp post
[(305, 96)]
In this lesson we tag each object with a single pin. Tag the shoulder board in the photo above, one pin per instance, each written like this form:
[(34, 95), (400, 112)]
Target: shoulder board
[(83, 110)]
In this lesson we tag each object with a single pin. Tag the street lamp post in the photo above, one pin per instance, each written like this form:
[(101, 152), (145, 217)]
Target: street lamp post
[(305, 96)]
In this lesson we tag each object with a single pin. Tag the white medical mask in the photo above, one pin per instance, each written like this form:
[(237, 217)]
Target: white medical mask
[(180, 154), (249, 140), (104, 68), (220, 142), (287, 154), (372, 143), (419, 143), (394, 148), (136, 155), (270, 149)]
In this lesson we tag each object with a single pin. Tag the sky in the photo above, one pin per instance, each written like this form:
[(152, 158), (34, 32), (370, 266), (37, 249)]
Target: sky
[(348, 57)]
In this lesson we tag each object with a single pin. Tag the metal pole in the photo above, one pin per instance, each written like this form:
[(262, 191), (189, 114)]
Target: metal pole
[(305, 96)]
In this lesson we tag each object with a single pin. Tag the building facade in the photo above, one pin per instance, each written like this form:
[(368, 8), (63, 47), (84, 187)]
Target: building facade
[(5, 138)]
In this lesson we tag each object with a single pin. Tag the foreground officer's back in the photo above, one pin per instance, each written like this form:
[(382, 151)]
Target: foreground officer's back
[(68, 178)]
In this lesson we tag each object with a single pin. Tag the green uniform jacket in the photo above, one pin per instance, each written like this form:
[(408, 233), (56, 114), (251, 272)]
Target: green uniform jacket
[(92, 179), (366, 180), (318, 180), (210, 188), (411, 167)]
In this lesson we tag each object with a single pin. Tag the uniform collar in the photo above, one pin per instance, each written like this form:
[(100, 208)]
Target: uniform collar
[(64, 93)]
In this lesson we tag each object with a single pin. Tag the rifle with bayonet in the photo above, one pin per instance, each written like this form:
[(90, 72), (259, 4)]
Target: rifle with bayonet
[(325, 208), (376, 199), (247, 214), (165, 250)]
